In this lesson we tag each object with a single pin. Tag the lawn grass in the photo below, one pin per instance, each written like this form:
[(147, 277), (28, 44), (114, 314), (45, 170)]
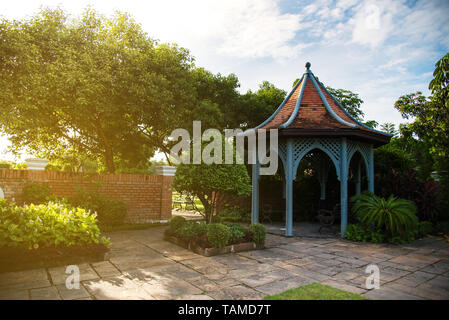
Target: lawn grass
[(315, 291), (199, 206)]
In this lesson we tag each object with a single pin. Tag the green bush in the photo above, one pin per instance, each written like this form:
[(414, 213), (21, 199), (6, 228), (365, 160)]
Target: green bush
[(360, 233), (394, 217), (199, 229), (176, 222), (4, 164), (190, 230), (218, 235), (236, 230), (258, 232), (233, 214), (443, 227), (35, 193), (46, 225), (111, 212), (425, 228), (186, 230)]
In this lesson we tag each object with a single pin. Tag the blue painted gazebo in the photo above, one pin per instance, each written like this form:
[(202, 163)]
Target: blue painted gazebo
[(309, 119)]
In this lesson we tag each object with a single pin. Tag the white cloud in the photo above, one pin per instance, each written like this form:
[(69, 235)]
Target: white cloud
[(372, 24), (258, 29)]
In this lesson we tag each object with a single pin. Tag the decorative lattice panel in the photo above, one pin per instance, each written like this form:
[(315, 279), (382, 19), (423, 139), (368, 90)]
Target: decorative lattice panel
[(363, 148), (282, 152), (332, 146), (329, 146)]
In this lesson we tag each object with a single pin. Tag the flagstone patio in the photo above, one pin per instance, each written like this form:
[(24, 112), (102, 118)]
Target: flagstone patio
[(141, 265)]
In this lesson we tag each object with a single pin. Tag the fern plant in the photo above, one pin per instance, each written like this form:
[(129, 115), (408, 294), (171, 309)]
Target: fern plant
[(394, 216)]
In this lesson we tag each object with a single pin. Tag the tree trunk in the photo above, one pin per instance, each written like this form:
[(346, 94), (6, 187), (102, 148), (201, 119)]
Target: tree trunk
[(109, 161)]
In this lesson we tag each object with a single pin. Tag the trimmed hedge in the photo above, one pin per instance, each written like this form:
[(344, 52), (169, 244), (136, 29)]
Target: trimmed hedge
[(258, 232), (47, 225), (215, 235)]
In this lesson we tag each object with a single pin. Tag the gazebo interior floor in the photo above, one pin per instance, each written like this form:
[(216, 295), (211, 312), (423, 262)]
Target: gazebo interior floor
[(305, 229)]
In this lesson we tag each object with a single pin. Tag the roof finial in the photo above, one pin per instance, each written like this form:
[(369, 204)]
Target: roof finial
[(308, 66)]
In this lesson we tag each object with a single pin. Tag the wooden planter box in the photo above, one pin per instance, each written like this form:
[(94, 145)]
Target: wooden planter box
[(208, 252)]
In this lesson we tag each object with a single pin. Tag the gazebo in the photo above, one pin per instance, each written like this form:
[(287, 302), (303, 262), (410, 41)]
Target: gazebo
[(311, 118)]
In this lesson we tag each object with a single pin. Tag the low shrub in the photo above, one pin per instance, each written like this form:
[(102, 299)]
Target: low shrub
[(218, 235), (236, 230), (258, 232), (443, 227), (361, 233), (47, 225), (36, 193), (176, 222), (199, 229), (394, 217), (111, 212), (425, 228), (233, 214)]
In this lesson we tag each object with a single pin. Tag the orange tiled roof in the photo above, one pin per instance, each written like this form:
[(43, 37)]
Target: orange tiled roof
[(311, 111)]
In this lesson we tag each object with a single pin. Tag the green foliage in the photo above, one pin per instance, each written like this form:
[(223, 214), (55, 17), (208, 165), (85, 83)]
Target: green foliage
[(348, 100), (394, 217), (36, 193), (233, 214), (176, 222), (443, 227), (258, 232), (95, 86), (190, 230), (390, 128), (186, 230), (46, 225), (218, 235), (427, 132), (425, 228), (110, 212), (360, 233), (255, 107), (5, 164), (213, 184), (236, 230)]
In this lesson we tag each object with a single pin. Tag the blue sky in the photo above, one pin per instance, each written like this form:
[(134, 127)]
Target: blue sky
[(378, 49)]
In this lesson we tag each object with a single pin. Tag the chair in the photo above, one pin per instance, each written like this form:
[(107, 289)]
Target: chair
[(266, 213), (327, 217)]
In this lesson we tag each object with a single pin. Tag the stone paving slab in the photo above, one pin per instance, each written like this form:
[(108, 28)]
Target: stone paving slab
[(280, 286), (141, 265), (72, 294), (58, 275), (27, 279), (49, 293)]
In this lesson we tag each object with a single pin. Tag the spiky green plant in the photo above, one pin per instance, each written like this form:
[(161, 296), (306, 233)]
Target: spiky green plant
[(394, 216)]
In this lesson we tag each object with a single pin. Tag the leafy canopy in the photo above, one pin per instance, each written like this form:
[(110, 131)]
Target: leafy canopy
[(97, 86)]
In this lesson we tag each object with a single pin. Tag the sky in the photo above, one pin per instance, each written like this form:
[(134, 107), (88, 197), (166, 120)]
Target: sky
[(378, 49)]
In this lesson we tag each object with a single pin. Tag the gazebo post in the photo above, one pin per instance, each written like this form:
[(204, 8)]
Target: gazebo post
[(358, 178), (344, 186), (255, 183), (289, 190), (323, 178), (371, 170)]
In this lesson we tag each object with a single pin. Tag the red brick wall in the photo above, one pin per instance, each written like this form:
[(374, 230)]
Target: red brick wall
[(147, 197)]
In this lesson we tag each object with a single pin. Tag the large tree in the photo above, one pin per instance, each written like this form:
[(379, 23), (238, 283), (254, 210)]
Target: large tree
[(96, 85), (429, 126)]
